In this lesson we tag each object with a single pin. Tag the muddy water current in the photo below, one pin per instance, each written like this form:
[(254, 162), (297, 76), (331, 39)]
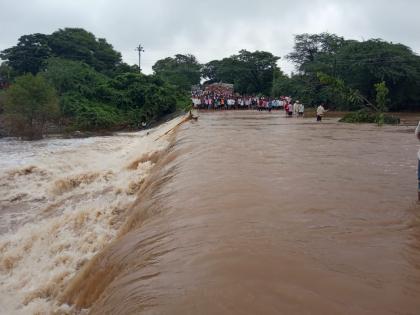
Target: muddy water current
[(254, 213)]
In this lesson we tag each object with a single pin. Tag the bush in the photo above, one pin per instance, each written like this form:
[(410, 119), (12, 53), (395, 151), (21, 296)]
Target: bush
[(94, 116), (361, 116), (142, 98), (365, 116), (391, 120), (30, 103), (68, 75), (183, 102), (89, 100)]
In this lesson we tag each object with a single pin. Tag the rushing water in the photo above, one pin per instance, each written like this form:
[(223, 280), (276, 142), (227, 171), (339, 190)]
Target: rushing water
[(61, 202), (254, 213)]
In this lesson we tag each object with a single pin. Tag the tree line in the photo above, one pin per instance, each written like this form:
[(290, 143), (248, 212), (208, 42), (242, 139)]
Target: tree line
[(357, 66), (80, 81), (72, 79)]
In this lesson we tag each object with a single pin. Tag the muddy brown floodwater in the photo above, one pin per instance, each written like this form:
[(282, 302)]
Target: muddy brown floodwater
[(254, 213)]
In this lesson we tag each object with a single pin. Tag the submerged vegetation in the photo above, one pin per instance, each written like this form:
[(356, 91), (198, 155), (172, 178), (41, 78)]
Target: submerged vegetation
[(366, 116)]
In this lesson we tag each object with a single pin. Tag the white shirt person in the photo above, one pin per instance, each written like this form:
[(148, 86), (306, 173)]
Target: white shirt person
[(320, 111)]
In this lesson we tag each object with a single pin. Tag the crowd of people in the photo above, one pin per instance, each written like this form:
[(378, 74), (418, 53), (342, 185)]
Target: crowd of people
[(222, 97)]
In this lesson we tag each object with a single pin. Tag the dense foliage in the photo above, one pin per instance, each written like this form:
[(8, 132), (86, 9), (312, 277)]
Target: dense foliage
[(32, 51), (94, 89), (29, 55), (78, 44), (31, 103), (360, 66), (366, 116), (250, 72), (182, 70)]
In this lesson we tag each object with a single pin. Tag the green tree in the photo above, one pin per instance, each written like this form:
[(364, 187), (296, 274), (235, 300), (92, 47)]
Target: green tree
[(182, 70), (255, 71), (7, 74), (75, 82), (381, 96), (30, 103), (315, 52), (94, 115), (29, 55), (123, 67), (369, 113), (68, 75), (363, 64), (224, 70), (250, 72), (381, 101), (359, 65), (143, 98), (32, 51), (94, 88), (296, 85), (81, 45)]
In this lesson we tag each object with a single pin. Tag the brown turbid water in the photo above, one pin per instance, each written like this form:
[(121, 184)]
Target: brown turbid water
[(254, 213)]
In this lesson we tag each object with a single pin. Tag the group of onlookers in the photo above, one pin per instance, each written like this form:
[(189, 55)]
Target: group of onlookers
[(221, 100), (211, 101), (297, 109)]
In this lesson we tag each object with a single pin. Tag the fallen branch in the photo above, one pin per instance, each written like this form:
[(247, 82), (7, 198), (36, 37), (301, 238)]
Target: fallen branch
[(185, 119)]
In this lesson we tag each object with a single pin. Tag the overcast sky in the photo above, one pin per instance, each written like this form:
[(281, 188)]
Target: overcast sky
[(211, 29)]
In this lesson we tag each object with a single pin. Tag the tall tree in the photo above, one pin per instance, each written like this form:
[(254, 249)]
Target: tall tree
[(255, 71), (363, 64), (250, 72), (182, 70), (74, 81), (224, 70), (311, 50), (29, 55), (32, 51), (30, 103), (360, 65), (81, 45)]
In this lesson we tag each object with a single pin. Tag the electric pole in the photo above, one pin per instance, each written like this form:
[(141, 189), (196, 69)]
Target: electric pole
[(140, 50)]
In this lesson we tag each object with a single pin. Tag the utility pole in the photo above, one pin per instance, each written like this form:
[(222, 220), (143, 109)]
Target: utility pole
[(140, 49)]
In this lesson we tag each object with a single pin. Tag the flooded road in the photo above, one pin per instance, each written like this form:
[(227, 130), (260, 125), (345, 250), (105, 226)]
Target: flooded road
[(252, 213)]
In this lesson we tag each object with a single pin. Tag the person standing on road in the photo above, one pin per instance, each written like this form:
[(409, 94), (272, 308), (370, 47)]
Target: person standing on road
[(290, 109), (320, 111), (417, 133), (295, 108), (301, 109), (270, 105)]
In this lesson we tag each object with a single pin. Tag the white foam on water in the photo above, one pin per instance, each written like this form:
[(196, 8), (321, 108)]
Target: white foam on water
[(62, 201)]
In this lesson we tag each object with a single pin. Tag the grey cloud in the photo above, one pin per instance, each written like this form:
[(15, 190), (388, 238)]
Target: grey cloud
[(211, 29)]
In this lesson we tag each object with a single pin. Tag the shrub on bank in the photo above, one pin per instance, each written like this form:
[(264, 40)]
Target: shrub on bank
[(391, 120), (31, 102), (365, 116), (97, 116)]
